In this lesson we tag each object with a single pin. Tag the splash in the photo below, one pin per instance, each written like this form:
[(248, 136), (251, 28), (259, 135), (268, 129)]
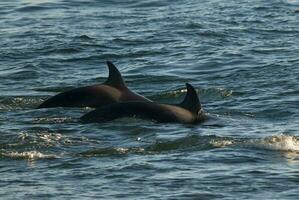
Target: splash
[(278, 143), (221, 142)]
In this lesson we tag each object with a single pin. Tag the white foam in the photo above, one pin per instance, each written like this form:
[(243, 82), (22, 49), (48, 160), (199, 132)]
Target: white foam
[(52, 120), (278, 142), (221, 143), (30, 155), (293, 2), (128, 150)]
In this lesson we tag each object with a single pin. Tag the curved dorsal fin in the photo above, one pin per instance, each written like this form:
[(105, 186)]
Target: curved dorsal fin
[(191, 101), (114, 79)]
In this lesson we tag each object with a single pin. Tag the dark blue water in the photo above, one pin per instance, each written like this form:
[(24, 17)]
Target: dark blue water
[(242, 57)]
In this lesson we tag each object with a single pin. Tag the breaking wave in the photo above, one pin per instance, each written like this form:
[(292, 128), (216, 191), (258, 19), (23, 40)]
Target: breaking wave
[(276, 142)]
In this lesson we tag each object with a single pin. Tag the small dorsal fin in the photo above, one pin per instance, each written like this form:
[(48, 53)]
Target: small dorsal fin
[(191, 101), (114, 79)]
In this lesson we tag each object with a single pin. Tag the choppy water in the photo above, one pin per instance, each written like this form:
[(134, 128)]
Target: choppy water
[(242, 56)]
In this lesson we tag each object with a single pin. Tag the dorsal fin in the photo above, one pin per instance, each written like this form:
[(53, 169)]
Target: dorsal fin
[(191, 101), (114, 79)]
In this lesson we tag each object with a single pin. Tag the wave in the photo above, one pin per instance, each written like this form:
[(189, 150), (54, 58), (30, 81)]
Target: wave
[(53, 120), (30, 155), (292, 2), (150, 4), (281, 142), (191, 143), (101, 152), (16, 103), (40, 5), (41, 139)]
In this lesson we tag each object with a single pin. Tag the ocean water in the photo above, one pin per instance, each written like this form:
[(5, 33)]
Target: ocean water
[(241, 56)]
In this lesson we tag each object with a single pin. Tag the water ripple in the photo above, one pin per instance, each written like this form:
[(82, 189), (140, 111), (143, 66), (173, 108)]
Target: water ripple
[(241, 56)]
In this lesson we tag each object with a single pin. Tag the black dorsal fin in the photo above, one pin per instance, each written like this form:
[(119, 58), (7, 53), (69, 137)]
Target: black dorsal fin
[(114, 79), (191, 101)]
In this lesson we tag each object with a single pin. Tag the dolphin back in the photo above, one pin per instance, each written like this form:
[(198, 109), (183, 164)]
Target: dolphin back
[(111, 91), (143, 110)]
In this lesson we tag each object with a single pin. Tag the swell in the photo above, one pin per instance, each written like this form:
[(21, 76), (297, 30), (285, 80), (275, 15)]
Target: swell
[(280, 143), (41, 143)]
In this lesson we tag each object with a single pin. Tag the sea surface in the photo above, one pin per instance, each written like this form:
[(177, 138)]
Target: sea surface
[(241, 56)]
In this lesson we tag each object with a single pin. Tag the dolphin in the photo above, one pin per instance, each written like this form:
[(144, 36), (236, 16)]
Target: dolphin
[(113, 90), (188, 111)]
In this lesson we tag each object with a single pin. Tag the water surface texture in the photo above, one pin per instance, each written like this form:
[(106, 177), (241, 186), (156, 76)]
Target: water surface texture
[(241, 56)]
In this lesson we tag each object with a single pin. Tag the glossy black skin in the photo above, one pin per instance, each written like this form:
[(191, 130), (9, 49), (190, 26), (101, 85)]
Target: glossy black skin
[(144, 110), (92, 96), (189, 111), (114, 90)]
